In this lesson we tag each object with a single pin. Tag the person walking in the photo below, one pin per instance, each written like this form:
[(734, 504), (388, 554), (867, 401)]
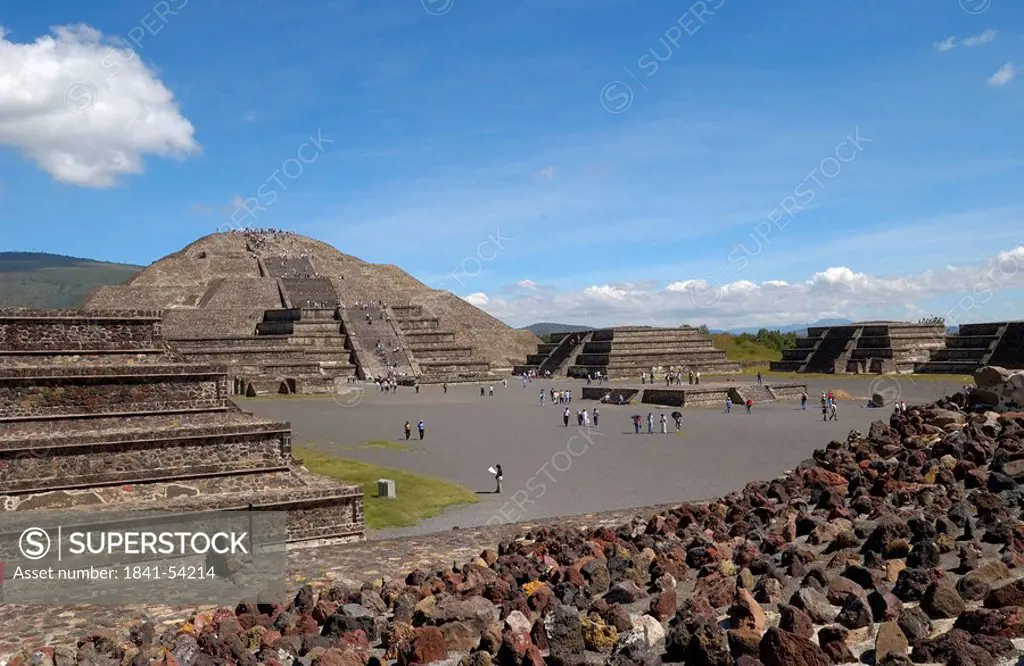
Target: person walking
[(803, 401), (445, 386), (759, 378), (650, 423), (728, 405), (586, 419), (679, 422), (636, 423), (490, 390), (498, 478), (824, 410), (565, 417), (408, 430), (579, 417), (596, 415), (422, 427), (542, 398), (750, 404), (833, 413), (696, 377), (664, 424), (643, 377)]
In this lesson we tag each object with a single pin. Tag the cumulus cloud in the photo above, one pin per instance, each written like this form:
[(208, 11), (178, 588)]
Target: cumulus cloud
[(1003, 76), (85, 108), (947, 44), (837, 291), (978, 40)]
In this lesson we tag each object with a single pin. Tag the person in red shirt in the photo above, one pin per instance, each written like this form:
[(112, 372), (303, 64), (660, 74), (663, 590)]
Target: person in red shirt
[(750, 403)]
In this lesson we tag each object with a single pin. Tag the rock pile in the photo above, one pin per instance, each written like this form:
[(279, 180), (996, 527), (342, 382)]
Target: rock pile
[(900, 546)]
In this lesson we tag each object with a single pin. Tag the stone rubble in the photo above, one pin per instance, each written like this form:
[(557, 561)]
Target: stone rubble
[(901, 546)]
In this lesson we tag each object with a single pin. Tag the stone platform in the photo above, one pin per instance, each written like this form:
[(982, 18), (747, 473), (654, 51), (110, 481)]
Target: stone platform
[(696, 395), (97, 413), (875, 347), (628, 351)]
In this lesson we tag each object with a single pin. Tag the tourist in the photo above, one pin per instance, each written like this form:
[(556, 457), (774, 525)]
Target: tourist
[(542, 398), (622, 399), (504, 383), (417, 387), (482, 391), (696, 378), (490, 390), (833, 415), (408, 430), (636, 423), (498, 478), (690, 376), (422, 427), (650, 423), (728, 405), (759, 378), (643, 377), (803, 401), (596, 415), (524, 381), (679, 421), (445, 386), (565, 417), (903, 407), (568, 396), (586, 419), (750, 404), (664, 424), (579, 417)]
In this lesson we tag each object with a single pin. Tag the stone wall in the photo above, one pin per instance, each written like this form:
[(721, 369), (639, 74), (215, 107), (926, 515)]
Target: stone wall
[(71, 330), (42, 468), (52, 392)]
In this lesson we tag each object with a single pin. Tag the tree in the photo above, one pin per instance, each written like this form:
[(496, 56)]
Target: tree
[(932, 320), (704, 329)]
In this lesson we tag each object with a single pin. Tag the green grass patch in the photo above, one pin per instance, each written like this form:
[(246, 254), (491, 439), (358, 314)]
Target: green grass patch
[(386, 444), (419, 496), (744, 349)]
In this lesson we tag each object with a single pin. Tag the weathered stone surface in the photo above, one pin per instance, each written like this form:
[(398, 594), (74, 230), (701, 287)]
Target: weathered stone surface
[(941, 600), (890, 640), (781, 648)]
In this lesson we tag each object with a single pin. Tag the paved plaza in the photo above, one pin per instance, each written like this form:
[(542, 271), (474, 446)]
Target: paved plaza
[(551, 470)]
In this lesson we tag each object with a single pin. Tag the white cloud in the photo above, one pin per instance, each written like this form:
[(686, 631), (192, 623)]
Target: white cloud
[(86, 109), (478, 299), (527, 284), (1003, 76), (547, 172), (983, 38), (947, 44), (837, 291)]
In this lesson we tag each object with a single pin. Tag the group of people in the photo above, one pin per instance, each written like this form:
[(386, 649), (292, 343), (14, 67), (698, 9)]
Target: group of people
[(671, 377), (829, 408), (421, 427), (558, 397), (489, 391), (582, 417), (638, 422), (749, 404)]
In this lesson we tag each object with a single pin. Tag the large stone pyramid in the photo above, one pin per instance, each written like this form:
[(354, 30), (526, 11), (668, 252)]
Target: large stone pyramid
[(284, 310)]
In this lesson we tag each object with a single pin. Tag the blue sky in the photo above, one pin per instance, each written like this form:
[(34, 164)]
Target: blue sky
[(454, 121)]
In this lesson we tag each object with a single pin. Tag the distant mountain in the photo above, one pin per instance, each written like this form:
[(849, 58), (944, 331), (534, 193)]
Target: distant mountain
[(799, 329), (41, 280), (547, 328)]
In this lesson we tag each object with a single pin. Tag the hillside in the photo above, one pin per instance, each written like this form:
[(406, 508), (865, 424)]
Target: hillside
[(547, 328), (41, 280)]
